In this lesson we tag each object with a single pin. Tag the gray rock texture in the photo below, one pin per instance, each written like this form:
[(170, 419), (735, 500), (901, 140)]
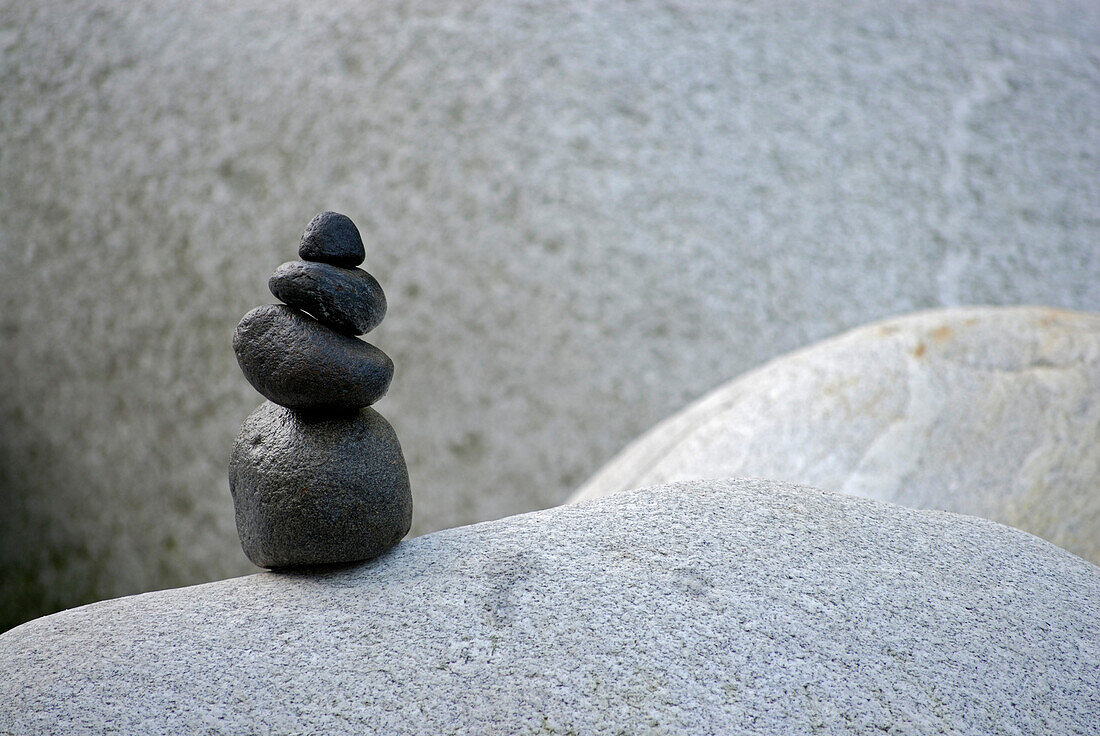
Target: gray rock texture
[(748, 607), (993, 412), (348, 300), (584, 217), (332, 238), (298, 362), (318, 490)]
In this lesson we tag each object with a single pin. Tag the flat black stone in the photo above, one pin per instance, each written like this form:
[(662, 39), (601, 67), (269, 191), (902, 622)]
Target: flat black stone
[(332, 238), (348, 300), (315, 491), (297, 362)]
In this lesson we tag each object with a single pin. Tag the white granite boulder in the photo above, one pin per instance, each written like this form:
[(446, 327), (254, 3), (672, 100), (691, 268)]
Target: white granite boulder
[(583, 216), (993, 412), (745, 606)]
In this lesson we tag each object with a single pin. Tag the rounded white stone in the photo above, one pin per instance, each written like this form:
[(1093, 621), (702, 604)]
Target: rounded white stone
[(750, 607), (987, 411)]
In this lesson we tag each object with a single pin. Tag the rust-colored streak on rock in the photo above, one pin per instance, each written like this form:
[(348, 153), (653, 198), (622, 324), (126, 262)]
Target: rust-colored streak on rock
[(942, 334)]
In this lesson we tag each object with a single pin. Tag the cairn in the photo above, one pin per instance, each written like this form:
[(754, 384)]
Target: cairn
[(316, 476)]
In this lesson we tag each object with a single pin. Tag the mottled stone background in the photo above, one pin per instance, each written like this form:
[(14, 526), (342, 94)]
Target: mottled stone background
[(583, 215)]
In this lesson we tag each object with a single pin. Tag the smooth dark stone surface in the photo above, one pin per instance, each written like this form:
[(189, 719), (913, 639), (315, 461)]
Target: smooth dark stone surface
[(310, 491), (348, 300), (332, 238), (296, 361)]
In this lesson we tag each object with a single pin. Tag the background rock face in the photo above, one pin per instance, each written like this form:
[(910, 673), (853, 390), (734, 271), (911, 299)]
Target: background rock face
[(721, 607), (583, 219), (991, 412)]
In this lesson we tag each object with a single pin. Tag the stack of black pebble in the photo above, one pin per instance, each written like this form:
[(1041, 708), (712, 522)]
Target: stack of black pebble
[(316, 477)]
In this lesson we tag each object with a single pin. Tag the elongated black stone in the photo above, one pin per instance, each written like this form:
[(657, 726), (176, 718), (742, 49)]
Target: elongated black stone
[(299, 363), (348, 300)]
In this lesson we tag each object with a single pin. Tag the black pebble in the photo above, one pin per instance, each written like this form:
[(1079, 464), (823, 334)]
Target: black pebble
[(332, 238), (348, 300)]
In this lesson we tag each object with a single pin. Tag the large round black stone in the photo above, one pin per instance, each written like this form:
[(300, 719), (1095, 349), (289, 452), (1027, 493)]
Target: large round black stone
[(318, 490)]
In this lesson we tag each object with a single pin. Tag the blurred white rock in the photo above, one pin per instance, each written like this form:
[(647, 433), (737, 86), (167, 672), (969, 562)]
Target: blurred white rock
[(993, 412)]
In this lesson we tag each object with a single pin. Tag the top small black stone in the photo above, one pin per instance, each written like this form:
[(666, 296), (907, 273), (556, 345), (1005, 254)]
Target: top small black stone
[(332, 238)]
